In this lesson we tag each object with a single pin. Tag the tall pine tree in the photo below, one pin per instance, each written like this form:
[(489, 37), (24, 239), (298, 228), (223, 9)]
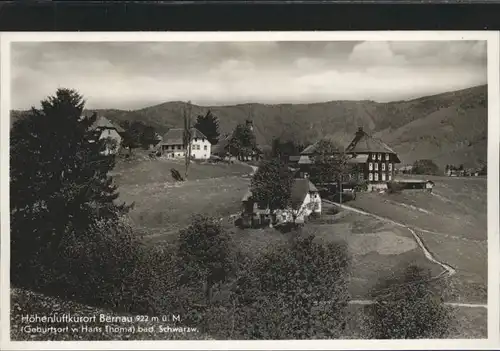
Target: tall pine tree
[(208, 125), (59, 181)]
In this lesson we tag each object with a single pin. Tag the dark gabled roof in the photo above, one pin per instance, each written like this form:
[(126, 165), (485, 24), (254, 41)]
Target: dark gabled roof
[(104, 123), (363, 142), (312, 149), (222, 145), (300, 188), (175, 136)]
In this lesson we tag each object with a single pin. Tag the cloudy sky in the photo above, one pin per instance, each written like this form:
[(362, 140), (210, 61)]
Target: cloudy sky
[(136, 75)]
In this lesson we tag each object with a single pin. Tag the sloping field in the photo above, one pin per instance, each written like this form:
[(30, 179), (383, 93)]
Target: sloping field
[(166, 207), (163, 206), (452, 224), (144, 171), (377, 249)]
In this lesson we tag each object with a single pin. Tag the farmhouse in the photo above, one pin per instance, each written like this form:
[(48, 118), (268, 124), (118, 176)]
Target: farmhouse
[(305, 201), (222, 149), (373, 160), (226, 149), (172, 144), (109, 131)]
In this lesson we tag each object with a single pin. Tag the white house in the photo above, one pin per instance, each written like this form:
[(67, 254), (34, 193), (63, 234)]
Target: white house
[(110, 132), (305, 201), (172, 144)]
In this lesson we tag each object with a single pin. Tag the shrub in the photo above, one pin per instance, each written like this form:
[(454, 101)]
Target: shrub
[(361, 186), (425, 167), (205, 254), (98, 266), (407, 307), (297, 291), (394, 187)]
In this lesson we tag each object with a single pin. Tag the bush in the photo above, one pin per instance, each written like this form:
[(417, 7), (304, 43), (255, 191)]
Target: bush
[(205, 254), (297, 291), (97, 267), (407, 307), (427, 167), (361, 186), (394, 187)]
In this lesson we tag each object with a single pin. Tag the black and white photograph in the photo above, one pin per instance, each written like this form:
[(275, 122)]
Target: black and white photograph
[(330, 189)]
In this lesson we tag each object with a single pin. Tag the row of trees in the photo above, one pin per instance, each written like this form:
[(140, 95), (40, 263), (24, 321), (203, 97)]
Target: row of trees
[(427, 167), (283, 149), (272, 183), (70, 238), (138, 134), (454, 168), (242, 142)]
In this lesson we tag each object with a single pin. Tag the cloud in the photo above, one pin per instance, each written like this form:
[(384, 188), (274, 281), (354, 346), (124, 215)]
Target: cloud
[(375, 53), (134, 75)]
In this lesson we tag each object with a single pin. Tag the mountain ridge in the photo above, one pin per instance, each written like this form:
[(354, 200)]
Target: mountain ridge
[(449, 127)]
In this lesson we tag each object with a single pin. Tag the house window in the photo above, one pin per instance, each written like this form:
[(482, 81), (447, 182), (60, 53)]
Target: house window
[(383, 166), (376, 177), (361, 176), (387, 157), (390, 177), (383, 177), (379, 157), (195, 139), (374, 156), (370, 176), (205, 147), (390, 166), (376, 166), (370, 166), (179, 147)]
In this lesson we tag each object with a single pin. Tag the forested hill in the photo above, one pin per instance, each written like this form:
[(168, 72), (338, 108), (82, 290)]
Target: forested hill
[(448, 128)]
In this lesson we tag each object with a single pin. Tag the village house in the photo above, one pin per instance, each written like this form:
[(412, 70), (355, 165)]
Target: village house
[(224, 149), (172, 144), (305, 201), (109, 131), (372, 160)]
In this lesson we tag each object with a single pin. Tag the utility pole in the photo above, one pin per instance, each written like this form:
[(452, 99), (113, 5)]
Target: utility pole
[(187, 138), (340, 189)]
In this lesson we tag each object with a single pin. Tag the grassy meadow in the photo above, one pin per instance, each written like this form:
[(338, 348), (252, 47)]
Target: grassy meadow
[(163, 206)]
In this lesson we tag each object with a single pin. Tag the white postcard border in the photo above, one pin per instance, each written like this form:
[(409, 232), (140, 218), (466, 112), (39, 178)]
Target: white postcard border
[(492, 38)]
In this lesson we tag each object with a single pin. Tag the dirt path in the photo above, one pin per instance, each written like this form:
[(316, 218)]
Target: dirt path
[(447, 269), (454, 304)]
